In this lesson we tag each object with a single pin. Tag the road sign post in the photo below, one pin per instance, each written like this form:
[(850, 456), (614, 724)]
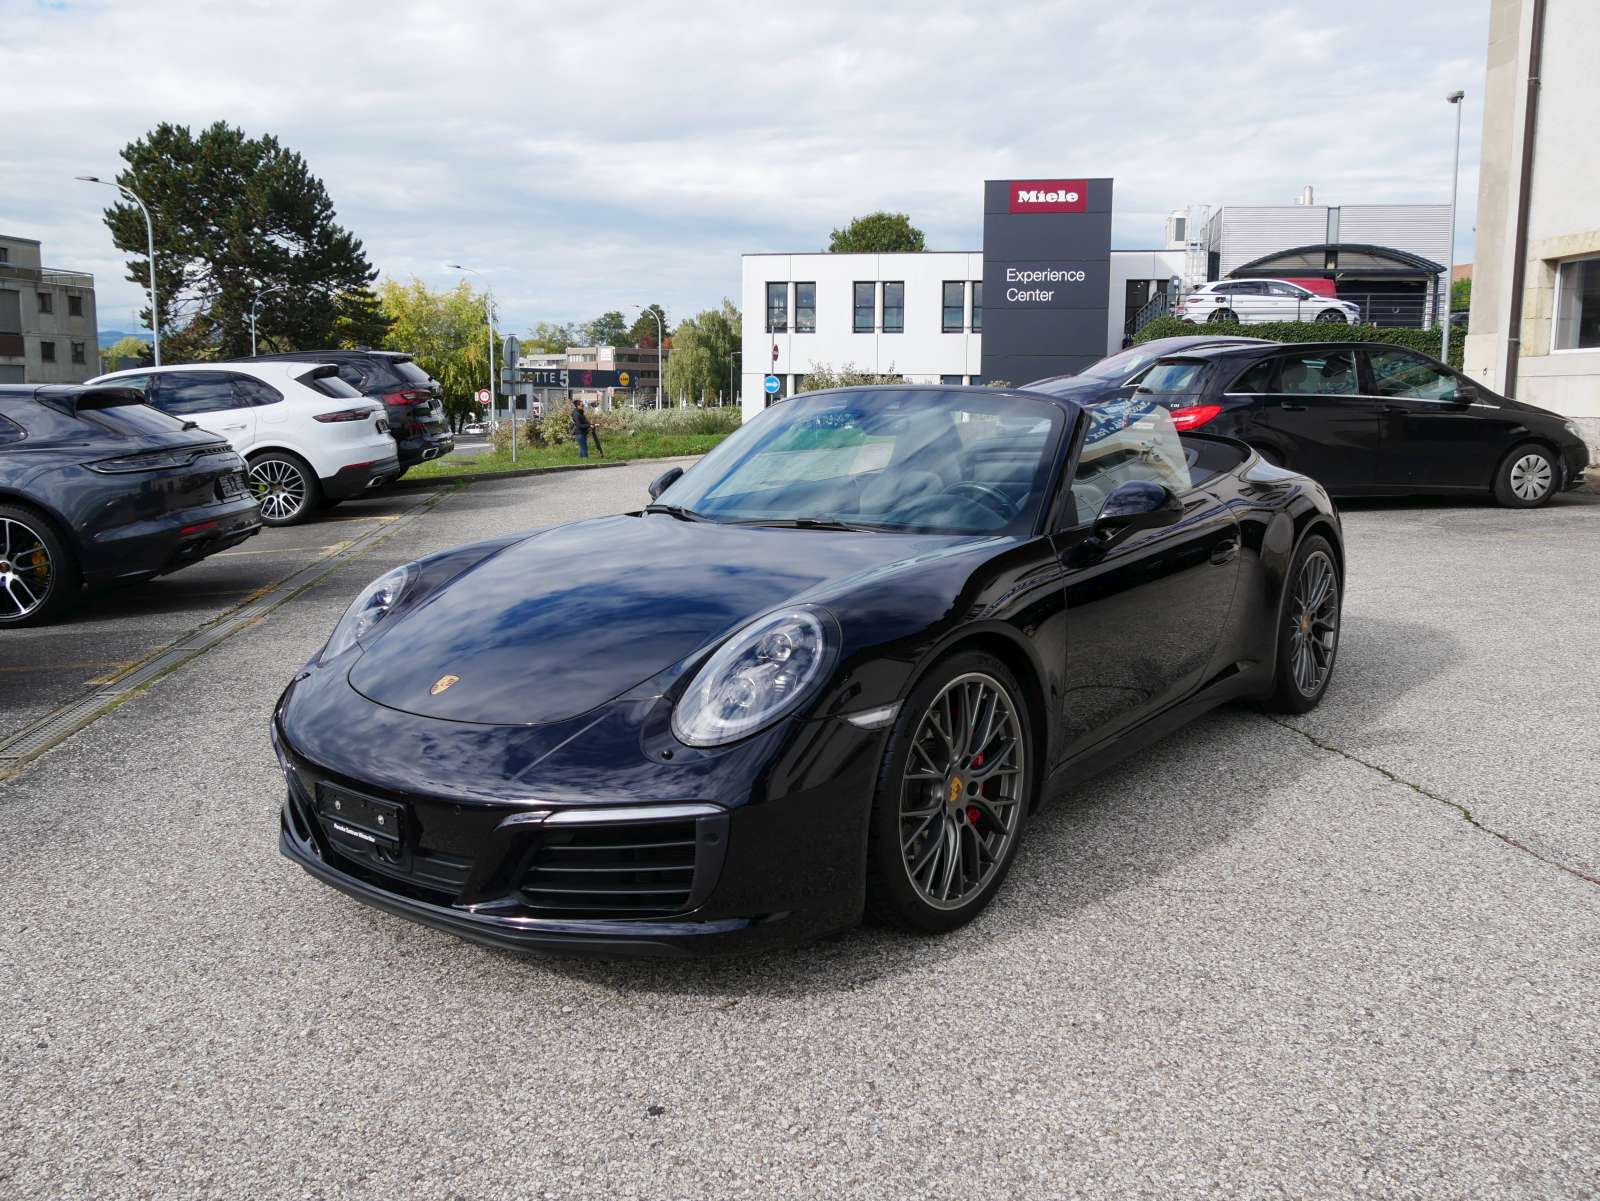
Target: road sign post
[(772, 385)]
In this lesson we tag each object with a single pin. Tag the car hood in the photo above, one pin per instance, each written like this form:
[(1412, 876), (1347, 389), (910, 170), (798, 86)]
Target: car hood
[(561, 622)]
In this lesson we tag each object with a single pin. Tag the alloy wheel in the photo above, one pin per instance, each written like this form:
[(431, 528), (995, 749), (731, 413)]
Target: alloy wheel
[(1531, 477), (1314, 623), (962, 792), (25, 569), (280, 489)]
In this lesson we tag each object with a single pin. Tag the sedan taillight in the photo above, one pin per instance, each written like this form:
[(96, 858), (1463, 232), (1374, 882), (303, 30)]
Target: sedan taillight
[(346, 415), (1194, 416)]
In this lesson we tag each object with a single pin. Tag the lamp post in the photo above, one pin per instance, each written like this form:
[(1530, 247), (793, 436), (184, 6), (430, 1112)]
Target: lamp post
[(661, 336), (1454, 99), (150, 241), (488, 317), (254, 302)]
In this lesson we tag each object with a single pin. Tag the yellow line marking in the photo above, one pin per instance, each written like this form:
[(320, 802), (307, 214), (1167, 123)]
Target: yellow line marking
[(118, 668)]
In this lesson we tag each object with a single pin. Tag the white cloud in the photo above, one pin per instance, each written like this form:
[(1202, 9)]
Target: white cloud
[(593, 158)]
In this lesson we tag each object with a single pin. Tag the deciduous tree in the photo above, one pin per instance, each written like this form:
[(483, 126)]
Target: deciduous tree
[(702, 345), (645, 330), (880, 233), (608, 329), (445, 331)]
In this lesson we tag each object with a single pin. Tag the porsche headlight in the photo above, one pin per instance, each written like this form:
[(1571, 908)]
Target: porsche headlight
[(370, 608), (758, 675)]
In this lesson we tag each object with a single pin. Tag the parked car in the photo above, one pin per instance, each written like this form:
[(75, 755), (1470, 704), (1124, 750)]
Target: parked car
[(1114, 376), (409, 394), (1371, 419), (474, 427), (309, 438), (1253, 301), (97, 488), (833, 667)]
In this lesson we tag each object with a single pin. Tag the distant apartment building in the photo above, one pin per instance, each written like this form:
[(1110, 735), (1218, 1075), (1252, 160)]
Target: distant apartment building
[(1534, 333), (634, 364), (48, 331)]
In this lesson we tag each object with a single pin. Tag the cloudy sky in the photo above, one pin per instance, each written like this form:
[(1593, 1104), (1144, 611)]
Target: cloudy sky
[(591, 157)]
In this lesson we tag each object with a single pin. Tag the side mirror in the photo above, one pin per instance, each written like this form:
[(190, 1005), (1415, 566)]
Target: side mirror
[(1136, 505), (664, 481)]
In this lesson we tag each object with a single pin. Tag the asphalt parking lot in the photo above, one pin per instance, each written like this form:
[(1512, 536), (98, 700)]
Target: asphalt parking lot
[(1345, 955)]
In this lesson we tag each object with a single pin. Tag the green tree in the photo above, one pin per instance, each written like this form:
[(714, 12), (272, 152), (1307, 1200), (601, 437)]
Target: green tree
[(702, 345), (848, 375), (127, 351), (550, 337), (880, 233), (233, 215), (445, 331), (1461, 295), (645, 330), (608, 329)]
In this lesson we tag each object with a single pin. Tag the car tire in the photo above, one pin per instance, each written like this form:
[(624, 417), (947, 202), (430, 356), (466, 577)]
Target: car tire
[(938, 849), (39, 574), (1308, 628), (1527, 477), (286, 488), (1332, 317), (1221, 316)]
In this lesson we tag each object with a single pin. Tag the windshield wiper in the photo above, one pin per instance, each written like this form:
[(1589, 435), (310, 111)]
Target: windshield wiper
[(677, 511), (809, 523)]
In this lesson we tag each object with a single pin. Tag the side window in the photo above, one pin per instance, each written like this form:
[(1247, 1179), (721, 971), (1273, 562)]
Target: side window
[(352, 374), (1251, 287), (1224, 289), (10, 431), (1401, 373), (1127, 440), (1255, 379), (252, 391), (1318, 373), (184, 393), (1288, 290), (138, 383)]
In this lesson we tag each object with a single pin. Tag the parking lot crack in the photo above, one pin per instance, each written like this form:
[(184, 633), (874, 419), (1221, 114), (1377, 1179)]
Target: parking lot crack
[(1457, 807)]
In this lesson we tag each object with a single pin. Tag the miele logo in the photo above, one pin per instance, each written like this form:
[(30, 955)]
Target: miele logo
[(1048, 196)]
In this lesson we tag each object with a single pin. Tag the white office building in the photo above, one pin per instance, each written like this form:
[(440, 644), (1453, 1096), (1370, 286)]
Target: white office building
[(919, 316)]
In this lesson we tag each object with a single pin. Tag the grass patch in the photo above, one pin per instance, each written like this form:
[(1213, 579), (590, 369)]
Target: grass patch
[(623, 446)]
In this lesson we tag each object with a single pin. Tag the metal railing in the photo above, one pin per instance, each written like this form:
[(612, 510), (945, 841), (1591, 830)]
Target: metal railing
[(1155, 307), (48, 275)]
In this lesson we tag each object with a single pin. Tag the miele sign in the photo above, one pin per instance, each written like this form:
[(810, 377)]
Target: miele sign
[(1046, 276), (1049, 195)]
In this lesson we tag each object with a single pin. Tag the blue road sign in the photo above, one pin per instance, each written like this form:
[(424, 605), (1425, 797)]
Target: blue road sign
[(772, 385)]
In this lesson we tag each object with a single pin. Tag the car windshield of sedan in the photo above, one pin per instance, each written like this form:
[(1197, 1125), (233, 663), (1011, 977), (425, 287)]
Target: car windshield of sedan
[(906, 460)]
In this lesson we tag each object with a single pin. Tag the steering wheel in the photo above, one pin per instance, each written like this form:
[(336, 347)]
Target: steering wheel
[(986, 495)]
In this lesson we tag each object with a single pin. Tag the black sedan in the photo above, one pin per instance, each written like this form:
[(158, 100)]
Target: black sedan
[(98, 488), (1115, 376), (1367, 419), (830, 671)]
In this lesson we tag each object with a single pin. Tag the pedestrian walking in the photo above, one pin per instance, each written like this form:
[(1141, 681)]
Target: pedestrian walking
[(581, 427)]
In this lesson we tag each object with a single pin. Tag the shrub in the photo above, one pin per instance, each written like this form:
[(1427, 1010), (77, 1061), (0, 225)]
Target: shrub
[(1424, 340), (554, 428), (849, 375)]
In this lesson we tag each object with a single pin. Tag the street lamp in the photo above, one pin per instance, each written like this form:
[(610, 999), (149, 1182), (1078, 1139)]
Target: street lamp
[(661, 336), (254, 301), (1454, 99), (488, 317), (150, 239)]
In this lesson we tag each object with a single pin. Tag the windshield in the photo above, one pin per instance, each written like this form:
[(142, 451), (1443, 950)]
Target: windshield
[(1124, 363), (904, 459)]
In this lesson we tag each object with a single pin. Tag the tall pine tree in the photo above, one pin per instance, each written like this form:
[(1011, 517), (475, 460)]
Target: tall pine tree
[(234, 215)]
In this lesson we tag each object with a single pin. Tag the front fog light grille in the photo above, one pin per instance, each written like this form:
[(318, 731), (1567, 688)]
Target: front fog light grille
[(619, 869)]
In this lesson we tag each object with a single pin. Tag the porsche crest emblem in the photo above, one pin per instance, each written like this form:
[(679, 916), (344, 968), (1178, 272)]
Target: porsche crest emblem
[(442, 684)]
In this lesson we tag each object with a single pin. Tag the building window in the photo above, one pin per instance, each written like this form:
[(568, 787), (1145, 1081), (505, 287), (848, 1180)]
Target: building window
[(955, 306), (894, 308), (799, 381), (77, 352), (5, 254), (805, 308), (74, 306), (777, 308), (47, 303), (977, 306), (865, 316), (1578, 305), (47, 352)]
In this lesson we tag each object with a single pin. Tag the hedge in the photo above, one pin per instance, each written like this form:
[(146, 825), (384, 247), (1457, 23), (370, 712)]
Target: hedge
[(1425, 340)]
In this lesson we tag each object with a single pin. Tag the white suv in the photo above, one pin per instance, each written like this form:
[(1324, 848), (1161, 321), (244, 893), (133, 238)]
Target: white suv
[(1253, 301), (309, 437)]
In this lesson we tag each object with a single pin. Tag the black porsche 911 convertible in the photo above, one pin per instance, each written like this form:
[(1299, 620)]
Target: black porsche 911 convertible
[(829, 671)]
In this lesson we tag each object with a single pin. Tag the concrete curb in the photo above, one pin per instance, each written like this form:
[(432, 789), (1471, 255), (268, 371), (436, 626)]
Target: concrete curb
[(476, 477)]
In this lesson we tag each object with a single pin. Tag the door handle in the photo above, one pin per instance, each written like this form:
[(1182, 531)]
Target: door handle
[(1224, 552), (1293, 408)]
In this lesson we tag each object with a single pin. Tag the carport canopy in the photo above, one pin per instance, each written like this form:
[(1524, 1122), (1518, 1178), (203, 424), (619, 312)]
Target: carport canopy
[(1340, 260)]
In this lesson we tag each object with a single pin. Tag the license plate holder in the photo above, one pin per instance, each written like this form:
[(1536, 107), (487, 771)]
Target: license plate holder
[(231, 484), (362, 824)]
